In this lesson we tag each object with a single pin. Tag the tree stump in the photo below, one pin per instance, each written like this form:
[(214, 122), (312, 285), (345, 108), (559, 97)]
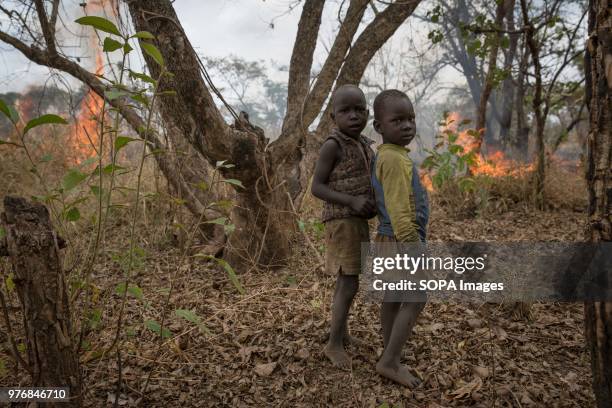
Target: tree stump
[(33, 248)]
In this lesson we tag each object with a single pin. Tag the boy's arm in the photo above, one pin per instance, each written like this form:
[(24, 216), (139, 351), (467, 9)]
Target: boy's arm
[(328, 156), (396, 179)]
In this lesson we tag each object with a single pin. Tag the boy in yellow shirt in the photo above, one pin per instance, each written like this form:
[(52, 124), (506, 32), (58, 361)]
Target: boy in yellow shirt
[(403, 212)]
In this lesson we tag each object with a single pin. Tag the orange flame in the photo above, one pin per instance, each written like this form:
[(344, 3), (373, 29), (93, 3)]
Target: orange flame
[(493, 163), (86, 127), (87, 124), (426, 180)]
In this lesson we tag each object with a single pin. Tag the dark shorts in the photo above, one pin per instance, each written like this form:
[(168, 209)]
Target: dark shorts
[(343, 238)]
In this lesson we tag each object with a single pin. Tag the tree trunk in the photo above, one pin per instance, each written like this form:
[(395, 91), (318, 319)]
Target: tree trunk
[(598, 66), (507, 93), (534, 50), (191, 111), (472, 71), (521, 138), (481, 121), (33, 249)]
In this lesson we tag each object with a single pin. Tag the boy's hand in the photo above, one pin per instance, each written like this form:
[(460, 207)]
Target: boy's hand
[(363, 205)]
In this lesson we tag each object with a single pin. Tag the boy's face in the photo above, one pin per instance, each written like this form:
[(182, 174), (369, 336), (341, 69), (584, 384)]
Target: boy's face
[(396, 122), (350, 111)]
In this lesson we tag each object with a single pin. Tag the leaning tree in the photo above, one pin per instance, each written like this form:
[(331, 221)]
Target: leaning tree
[(598, 65), (275, 175)]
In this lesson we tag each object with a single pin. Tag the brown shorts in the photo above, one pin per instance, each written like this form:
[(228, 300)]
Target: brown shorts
[(391, 248), (343, 238)]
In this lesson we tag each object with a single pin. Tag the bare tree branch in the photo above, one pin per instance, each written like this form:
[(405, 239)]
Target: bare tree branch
[(47, 29), (329, 71), (367, 44), (301, 61), (63, 64)]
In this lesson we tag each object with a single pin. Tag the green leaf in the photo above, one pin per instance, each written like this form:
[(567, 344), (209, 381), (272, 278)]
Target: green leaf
[(505, 42), (46, 158), (72, 179), (202, 185), (112, 168), (143, 35), (95, 190), (95, 317), (234, 182), (156, 328), (99, 23), (9, 112), (121, 141), (455, 149), (193, 318), (474, 46), (153, 52), (188, 315), (229, 228), (136, 292), (72, 214), (228, 268), (44, 119), (301, 225), (111, 45), (218, 221), (142, 77), (120, 289), (89, 162), (127, 48), (114, 94), (2, 232), (141, 99)]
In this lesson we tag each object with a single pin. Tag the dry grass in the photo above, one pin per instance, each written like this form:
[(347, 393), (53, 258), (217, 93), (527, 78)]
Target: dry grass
[(563, 189)]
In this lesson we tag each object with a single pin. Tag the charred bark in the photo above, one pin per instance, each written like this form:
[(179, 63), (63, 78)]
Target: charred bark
[(598, 66), (33, 249)]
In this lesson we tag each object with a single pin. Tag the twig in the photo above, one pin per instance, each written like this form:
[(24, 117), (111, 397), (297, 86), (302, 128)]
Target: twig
[(14, 350), (308, 240)]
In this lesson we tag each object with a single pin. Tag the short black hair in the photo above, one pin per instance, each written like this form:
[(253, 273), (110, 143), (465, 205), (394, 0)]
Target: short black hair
[(384, 96), (345, 87)]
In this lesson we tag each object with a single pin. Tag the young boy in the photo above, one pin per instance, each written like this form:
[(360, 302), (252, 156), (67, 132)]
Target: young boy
[(342, 179), (403, 214)]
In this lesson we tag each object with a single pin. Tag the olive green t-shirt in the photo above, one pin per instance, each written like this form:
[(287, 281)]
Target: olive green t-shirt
[(394, 172)]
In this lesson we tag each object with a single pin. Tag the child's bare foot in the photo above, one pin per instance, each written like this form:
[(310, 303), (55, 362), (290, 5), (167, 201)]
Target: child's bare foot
[(401, 374), (337, 356)]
